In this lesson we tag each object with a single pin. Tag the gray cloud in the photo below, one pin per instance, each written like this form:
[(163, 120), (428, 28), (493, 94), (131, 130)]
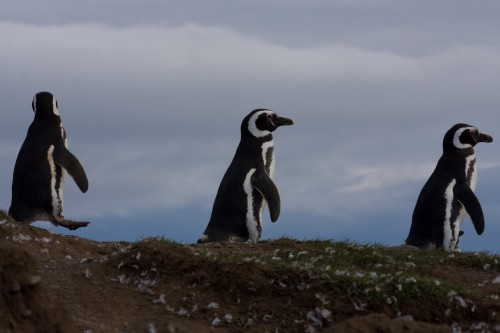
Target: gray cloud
[(152, 108)]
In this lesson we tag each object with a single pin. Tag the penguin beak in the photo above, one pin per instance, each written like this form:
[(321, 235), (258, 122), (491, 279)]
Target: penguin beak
[(483, 138), (280, 121)]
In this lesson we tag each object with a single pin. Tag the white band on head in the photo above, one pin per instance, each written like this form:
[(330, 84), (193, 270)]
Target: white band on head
[(252, 126), (54, 106), (456, 138)]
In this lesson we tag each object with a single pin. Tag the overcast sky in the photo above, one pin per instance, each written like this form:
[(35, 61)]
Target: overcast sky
[(152, 94)]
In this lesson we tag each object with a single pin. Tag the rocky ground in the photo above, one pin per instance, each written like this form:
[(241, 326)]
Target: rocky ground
[(54, 283)]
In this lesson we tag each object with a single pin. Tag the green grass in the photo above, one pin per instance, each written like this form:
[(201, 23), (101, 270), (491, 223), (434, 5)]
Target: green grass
[(372, 277), (3, 214)]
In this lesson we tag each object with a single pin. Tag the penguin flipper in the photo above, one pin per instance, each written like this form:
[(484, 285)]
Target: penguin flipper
[(68, 161), (468, 199), (265, 185)]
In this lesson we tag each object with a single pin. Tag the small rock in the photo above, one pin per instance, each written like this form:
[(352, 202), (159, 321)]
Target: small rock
[(213, 305), (228, 318), (216, 322)]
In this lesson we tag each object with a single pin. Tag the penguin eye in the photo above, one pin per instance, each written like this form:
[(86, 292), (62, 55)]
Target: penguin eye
[(269, 116)]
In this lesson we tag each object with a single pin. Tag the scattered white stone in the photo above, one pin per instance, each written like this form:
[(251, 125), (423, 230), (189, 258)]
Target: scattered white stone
[(216, 322), (161, 299), (455, 328), (496, 280), (21, 238), (314, 318), (145, 286), (411, 280), (479, 327), (326, 314), (267, 317), (138, 256), (182, 312), (454, 295), (68, 257), (322, 298), (123, 279), (151, 328), (3, 222), (213, 305), (391, 300), (409, 265), (44, 250), (44, 239), (88, 274), (301, 253), (406, 318), (359, 306), (228, 318)]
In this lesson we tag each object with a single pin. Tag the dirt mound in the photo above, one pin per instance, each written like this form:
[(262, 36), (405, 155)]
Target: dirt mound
[(156, 286), (25, 305)]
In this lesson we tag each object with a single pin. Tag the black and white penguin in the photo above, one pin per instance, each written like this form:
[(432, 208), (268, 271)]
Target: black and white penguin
[(448, 195), (248, 183), (41, 167)]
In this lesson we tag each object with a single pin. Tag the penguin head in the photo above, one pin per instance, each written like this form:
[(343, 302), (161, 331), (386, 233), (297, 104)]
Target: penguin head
[(463, 136), (262, 122), (44, 104)]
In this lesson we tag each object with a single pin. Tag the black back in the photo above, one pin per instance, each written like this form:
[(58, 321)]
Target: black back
[(31, 185), (229, 211), (429, 214)]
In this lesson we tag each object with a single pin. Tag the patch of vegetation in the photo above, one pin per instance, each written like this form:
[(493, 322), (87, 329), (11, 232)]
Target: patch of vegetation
[(371, 277), (3, 214), (151, 241)]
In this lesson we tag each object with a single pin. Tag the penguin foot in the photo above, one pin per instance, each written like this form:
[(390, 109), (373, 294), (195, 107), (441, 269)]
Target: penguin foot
[(72, 225)]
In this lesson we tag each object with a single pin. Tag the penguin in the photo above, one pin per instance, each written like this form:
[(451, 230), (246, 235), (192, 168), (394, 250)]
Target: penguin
[(248, 183), (448, 196), (41, 167)]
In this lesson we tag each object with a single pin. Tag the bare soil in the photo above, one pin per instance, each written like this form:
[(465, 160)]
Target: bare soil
[(53, 283)]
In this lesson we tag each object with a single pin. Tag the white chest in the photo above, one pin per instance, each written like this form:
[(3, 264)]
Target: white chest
[(268, 157), (471, 171)]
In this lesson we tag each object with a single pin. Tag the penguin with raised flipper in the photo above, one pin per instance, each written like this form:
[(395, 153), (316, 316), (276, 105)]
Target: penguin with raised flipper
[(41, 167), (248, 183), (448, 196)]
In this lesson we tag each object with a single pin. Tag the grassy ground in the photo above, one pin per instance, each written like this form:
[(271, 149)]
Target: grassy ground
[(284, 285)]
